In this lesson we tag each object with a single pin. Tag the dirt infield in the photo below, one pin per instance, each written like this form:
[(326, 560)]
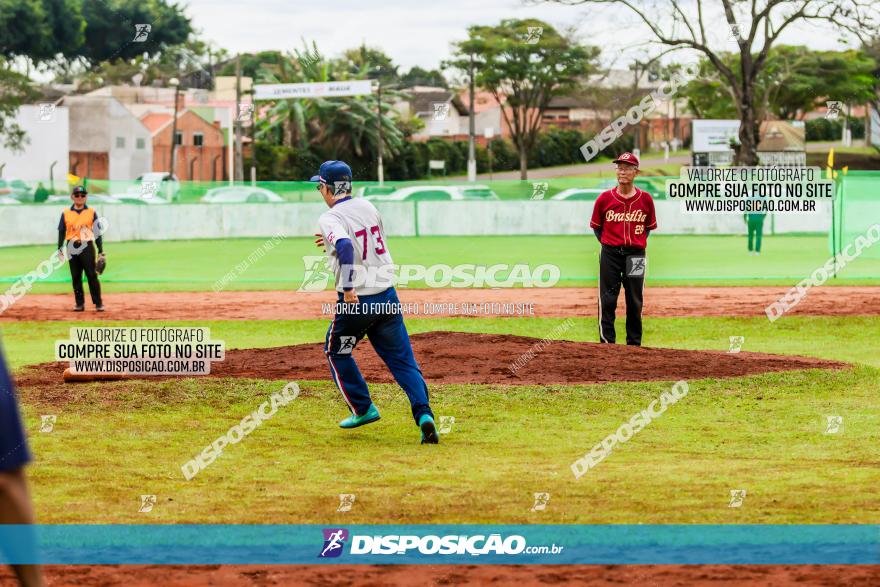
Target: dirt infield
[(425, 575), (458, 357), (557, 301)]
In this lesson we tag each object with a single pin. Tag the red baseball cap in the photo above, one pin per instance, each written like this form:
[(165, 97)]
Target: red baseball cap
[(628, 158)]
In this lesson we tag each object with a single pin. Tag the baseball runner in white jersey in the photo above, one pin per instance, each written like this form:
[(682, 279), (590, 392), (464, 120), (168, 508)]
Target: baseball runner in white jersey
[(367, 303)]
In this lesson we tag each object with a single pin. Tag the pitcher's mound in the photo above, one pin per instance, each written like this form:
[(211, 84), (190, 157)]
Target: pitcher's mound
[(460, 357)]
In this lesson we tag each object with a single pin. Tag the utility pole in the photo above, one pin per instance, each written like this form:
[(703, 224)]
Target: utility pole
[(239, 161), (472, 159), (172, 159), (211, 68), (379, 125), (675, 122), (230, 172), (489, 133)]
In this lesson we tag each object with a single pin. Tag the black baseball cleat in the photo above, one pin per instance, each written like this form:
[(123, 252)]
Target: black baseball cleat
[(429, 430), (99, 308), (79, 308)]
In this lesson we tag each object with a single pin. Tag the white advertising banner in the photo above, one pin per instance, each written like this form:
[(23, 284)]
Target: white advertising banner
[(712, 136), (312, 90)]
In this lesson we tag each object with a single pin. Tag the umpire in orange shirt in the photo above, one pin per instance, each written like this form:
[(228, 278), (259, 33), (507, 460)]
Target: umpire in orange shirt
[(79, 227)]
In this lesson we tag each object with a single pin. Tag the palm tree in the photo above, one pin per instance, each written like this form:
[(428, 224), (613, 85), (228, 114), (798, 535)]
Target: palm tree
[(341, 126)]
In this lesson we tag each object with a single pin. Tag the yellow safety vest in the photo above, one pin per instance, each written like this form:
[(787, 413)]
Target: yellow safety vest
[(79, 224)]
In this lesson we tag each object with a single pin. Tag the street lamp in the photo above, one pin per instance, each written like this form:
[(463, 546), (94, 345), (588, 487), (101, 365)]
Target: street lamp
[(489, 133), (381, 170), (175, 83), (472, 159)]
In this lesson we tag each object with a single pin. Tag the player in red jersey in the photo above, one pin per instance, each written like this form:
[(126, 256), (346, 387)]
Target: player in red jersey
[(622, 218)]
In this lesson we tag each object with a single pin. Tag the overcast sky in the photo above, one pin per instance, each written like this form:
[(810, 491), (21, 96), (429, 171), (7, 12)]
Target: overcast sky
[(419, 32)]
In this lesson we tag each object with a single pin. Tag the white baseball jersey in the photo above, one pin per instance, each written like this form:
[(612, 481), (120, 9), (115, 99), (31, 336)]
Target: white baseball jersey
[(359, 221)]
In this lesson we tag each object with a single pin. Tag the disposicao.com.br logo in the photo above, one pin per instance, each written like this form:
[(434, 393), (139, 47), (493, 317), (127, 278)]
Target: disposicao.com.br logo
[(319, 273), (477, 545)]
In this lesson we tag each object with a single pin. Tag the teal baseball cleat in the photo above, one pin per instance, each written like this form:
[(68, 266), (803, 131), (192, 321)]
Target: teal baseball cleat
[(429, 430), (353, 421)]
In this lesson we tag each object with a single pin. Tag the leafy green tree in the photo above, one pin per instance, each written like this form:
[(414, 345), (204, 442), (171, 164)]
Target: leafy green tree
[(252, 62), (41, 30), (817, 76), (15, 89), (524, 72), (66, 26), (24, 29), (110, 28), (794, 81), (34, 32), (287, 119), (758, 24), (417, 76), (66, 35), (368, 61), (192, 63)]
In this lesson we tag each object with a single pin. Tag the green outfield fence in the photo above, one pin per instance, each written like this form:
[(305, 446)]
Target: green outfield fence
[(858, 191)]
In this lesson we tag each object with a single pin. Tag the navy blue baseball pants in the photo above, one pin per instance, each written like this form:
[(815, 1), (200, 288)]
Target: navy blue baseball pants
[(13, 446), (379, 318)]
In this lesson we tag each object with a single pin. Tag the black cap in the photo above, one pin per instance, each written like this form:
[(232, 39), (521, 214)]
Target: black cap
[(79, 190)]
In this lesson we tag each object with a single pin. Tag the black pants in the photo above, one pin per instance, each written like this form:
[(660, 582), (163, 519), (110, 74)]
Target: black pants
[(627, 266), (84, 261)]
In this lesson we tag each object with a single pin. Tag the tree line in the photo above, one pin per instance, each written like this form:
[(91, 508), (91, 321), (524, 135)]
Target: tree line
[(524, 63)]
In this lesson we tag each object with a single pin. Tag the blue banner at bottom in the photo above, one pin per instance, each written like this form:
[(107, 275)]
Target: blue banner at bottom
[(440, 544)]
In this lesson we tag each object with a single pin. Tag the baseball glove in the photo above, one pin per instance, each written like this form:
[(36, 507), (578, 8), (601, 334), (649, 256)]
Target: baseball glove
[(101, 264)]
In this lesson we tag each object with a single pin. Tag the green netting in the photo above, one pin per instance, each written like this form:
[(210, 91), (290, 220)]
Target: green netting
[(856, 209), (856, 202), (190, 192)]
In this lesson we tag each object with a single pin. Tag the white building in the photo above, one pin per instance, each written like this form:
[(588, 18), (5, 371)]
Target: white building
[(441, 110), (47, 128), (106, 140)]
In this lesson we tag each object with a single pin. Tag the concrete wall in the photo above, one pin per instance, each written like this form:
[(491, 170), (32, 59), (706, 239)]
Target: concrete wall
[(37, 224), (128, 161), (95, 124), (543, 217), (47, 142), (30, 224), (88, 124), (487, 119), (453, 124)]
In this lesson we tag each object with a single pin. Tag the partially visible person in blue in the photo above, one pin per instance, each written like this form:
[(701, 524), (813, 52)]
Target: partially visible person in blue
[(15, 502)]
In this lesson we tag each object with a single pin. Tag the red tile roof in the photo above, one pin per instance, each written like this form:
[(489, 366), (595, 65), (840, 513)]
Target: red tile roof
[(155, 120)]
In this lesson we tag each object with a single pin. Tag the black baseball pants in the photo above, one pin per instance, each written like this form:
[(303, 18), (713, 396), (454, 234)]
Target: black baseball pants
[(84, 262), (626, 266)]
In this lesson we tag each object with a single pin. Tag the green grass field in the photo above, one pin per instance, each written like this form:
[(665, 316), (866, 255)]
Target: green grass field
[(113, 442), (674, 260)]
